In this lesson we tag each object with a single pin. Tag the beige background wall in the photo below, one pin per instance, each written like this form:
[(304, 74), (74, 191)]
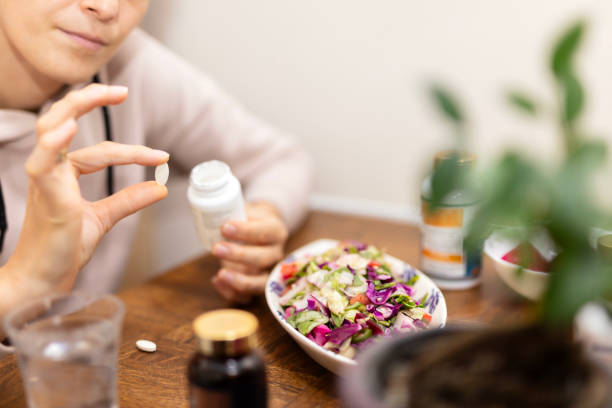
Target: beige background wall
[(348, 78)]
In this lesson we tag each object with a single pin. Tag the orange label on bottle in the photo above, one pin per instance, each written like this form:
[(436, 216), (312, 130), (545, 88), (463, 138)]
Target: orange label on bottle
[(441, 257), (442, 217)]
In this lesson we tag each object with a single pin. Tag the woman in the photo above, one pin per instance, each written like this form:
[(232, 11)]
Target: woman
[(63, 205)]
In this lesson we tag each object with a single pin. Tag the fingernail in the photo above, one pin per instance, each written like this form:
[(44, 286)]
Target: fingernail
[(229, 229), (160, 154), (117, 90), (221, 250)]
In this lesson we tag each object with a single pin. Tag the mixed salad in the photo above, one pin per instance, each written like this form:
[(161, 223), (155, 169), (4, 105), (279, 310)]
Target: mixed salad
[(348, 296)]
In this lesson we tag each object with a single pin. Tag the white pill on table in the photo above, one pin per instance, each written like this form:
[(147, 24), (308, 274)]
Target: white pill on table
[(146, 345), (161, 174)]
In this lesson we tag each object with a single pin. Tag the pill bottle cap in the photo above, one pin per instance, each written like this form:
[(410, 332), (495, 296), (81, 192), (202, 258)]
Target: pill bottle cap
[(210, 176), (226, 332)]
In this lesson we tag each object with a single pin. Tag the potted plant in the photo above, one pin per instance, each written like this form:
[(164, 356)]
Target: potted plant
[(537, 363)]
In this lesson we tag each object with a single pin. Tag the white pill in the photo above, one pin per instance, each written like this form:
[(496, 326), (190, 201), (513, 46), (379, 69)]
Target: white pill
[(146, 345), (161, 174)]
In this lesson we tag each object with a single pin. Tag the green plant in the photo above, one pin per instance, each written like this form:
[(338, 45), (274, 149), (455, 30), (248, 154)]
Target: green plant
[(521, 192)]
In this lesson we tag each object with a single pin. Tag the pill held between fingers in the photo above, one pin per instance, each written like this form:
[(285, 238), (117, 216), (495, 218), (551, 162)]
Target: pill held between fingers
[(161, 174), (146, 345)]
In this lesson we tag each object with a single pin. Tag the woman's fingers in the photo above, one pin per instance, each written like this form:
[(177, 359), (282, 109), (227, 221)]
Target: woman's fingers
[(259, 231), (94, 158), (127, 201), (225, 289), (259, 257), (77, 103), (240, 284), (49, 149), (240, 267)]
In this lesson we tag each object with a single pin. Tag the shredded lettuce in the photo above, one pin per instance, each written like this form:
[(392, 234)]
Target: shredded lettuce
[(307, 320)]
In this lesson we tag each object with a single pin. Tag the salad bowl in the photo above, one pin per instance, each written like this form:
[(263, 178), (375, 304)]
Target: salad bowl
[(433, 305)]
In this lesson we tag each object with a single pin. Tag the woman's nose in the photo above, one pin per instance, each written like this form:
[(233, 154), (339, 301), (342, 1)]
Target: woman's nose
[(103, 10)]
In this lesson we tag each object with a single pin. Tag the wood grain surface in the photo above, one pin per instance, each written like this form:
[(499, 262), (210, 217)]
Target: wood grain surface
[(163, 309)]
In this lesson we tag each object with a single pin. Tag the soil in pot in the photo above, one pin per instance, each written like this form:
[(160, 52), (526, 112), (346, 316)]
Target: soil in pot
[(526, 367)]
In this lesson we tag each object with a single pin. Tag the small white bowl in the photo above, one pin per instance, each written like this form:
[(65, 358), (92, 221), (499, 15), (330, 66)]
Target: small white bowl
[(328, 359), (528, 283)]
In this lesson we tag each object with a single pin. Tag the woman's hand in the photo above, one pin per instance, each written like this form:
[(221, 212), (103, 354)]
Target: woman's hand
[(61, 229), (253, 246)]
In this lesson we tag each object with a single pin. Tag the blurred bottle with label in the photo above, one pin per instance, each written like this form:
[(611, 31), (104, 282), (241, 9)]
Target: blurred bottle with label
[(215, 197), (227, 371), (443, 254)]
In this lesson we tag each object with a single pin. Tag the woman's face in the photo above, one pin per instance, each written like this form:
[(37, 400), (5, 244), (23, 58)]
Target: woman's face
[(67, 40)]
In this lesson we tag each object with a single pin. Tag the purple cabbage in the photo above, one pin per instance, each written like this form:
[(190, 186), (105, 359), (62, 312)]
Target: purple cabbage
[(376, 330), (319, 306), (312, 304), (318, 334), (386, 311), (384, 278), (339, 335), (405, 288), (371, 272), (378, 297)]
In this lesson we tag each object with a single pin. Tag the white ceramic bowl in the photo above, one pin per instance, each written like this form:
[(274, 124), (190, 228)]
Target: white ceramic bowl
[(528, 283), (328, 359)]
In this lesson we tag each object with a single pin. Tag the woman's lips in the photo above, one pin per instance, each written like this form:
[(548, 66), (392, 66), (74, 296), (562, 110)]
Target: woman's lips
[(85, 40)]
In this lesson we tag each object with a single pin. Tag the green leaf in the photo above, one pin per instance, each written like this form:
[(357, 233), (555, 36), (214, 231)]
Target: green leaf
[(337, 320), (522, 102), (577, 278), (565, 48), (307, 320), (446, 104), (573, 97), (350, 315), (446, 178), (362, 335), (586, 158)]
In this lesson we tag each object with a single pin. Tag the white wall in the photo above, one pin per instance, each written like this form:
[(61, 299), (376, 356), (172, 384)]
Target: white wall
[(348, 78)]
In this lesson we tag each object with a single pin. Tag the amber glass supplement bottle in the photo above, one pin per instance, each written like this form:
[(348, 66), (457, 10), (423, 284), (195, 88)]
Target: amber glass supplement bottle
[(443, 256), (227, 371)]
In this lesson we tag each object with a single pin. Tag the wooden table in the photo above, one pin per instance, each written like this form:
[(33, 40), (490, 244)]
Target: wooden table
[(163, 309)]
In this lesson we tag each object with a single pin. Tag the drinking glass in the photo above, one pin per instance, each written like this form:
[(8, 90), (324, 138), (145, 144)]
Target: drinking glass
[(67, 349)]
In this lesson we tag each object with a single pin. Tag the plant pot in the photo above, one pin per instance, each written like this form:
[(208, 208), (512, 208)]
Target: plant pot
[(461, 367)]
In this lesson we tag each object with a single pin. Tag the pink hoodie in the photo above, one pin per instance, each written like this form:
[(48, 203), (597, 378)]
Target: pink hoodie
[(172, 107)]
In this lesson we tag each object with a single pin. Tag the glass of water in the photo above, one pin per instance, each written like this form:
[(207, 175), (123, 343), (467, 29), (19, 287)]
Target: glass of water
[(67, 348)]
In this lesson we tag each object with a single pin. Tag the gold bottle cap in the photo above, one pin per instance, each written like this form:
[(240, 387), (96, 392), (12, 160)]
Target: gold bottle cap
[(464, 158), (226, 332), (604, 246)]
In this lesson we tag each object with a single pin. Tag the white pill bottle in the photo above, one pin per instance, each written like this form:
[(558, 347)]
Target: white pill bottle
[(215, 197)]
